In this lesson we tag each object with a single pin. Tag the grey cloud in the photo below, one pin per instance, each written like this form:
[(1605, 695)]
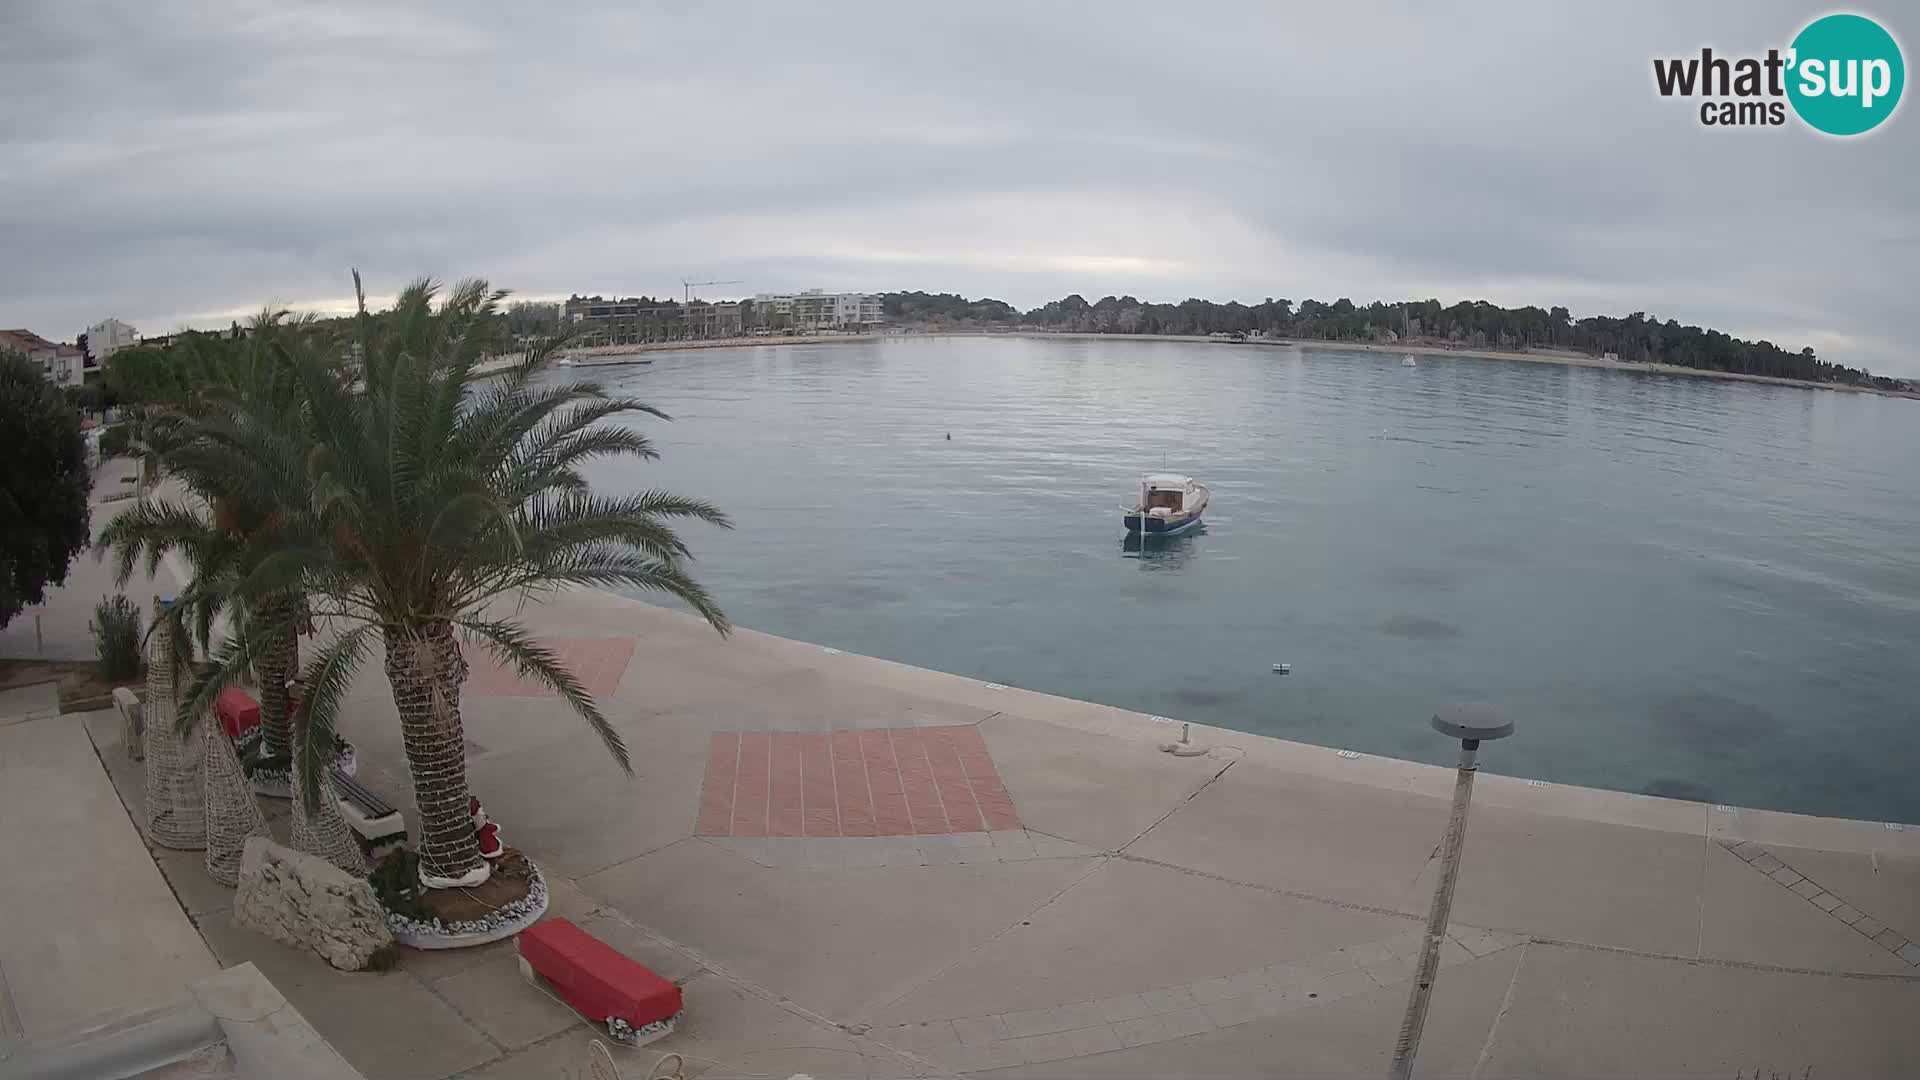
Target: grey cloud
[(167, 161)]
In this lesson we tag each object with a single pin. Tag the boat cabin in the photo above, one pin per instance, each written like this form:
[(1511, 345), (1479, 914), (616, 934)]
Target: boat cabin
[(1167, 491)]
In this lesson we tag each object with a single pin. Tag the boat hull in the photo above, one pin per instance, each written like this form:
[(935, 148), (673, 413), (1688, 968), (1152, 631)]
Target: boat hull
[(1161, 526)]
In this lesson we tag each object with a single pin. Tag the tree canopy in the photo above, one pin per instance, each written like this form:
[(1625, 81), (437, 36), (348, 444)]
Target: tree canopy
[(1469, 323), (401, 499), (43, 488), (146, 374), (947, 308)]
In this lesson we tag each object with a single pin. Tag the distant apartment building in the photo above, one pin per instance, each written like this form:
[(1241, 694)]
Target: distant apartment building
[(109, 336), (63, 365), (597, 320), (818, 310)]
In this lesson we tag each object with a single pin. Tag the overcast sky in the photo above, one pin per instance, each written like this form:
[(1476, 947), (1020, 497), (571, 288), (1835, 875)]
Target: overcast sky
[(178, 163)]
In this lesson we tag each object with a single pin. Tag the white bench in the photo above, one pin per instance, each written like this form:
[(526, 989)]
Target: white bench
[(380, 826), (128, 703)]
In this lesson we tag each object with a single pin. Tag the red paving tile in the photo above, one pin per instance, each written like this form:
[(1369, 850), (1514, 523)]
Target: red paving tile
[(956, 797), (878, 782), (597, 662), (916, 778), (819, 788), (890, 817), (716, 791), (850, 779), (750, 784), (784, 806)]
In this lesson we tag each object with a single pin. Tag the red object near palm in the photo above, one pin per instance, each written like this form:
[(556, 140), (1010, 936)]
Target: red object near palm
[(597, 982), (237, 710)]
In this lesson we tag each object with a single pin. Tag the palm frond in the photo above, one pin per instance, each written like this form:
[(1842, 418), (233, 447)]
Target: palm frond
[(512, 644), (327, 678), (230, 663), (157, 524)]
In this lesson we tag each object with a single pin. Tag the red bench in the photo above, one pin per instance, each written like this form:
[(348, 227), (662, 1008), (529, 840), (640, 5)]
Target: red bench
[(237, 710), (600, 984)]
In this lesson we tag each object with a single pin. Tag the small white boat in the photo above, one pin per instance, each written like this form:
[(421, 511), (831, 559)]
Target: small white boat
[(565, 361), (1409, 361), (1169, 504)]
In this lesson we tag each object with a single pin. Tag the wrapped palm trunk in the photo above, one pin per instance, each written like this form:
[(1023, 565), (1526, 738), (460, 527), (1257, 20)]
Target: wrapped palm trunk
[(232, 815), (273, 668), (426, 670), (176, 808)]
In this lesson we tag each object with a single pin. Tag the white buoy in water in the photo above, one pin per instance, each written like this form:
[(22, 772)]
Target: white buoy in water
[(1283, 669)]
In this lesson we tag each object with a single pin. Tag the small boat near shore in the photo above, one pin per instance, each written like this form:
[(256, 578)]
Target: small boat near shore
[(1169, 505)]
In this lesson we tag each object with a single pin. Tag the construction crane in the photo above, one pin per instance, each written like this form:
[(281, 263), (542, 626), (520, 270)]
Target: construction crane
[(692, 285), (686, 305)]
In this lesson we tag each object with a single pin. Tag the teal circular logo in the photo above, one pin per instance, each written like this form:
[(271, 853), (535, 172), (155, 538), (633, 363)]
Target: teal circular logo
[(1845, 74)]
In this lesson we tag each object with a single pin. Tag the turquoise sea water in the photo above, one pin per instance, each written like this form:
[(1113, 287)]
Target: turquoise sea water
[(1681, 586)]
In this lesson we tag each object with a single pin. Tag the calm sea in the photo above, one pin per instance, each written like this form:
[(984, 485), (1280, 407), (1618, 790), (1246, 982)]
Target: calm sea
[(1686, 587)]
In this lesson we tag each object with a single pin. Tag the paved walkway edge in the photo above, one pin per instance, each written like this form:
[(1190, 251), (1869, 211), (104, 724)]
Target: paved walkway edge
[(1720, 822)]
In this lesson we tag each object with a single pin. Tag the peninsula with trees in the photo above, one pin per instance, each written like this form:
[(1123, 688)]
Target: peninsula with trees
[(1469, 324)]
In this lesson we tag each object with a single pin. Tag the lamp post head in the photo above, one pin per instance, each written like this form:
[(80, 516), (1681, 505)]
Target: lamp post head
[(1473, 722)]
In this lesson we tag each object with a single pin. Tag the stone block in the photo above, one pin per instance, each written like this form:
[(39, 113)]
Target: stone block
[(1125, 1007), (298, 899)]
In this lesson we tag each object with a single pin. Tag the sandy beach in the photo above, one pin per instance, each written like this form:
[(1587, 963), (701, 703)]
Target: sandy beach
[(591, 356), (602, 354)]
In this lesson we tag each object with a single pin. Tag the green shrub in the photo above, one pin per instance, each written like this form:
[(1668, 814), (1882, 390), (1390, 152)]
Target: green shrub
[(396, 881), (113, 441), (116, 637)]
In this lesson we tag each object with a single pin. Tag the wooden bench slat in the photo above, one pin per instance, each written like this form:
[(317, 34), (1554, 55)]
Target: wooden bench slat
[(357, 793)]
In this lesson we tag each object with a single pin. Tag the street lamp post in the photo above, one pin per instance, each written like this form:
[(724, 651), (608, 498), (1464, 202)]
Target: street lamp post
[(1472, 725)]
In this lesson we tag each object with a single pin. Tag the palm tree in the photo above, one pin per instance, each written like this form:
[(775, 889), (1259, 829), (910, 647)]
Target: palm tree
[(216, 380), (241, 405), (433, 490)]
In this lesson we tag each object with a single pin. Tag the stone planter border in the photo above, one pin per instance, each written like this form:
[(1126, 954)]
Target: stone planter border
[(498, 926)]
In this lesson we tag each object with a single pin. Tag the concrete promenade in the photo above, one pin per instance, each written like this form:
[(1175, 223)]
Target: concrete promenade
[(1249, 912), (860, 869), (91, 930)]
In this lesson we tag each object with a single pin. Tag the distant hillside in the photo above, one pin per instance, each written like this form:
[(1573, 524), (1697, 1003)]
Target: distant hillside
[(1475, 324)]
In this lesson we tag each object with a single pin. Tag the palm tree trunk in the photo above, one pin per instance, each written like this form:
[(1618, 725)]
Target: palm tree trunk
[(426, 669), (273, 668)]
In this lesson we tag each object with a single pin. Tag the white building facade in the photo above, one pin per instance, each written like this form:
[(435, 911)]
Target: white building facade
[(109, 336), (63, 365), (819, 310)]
